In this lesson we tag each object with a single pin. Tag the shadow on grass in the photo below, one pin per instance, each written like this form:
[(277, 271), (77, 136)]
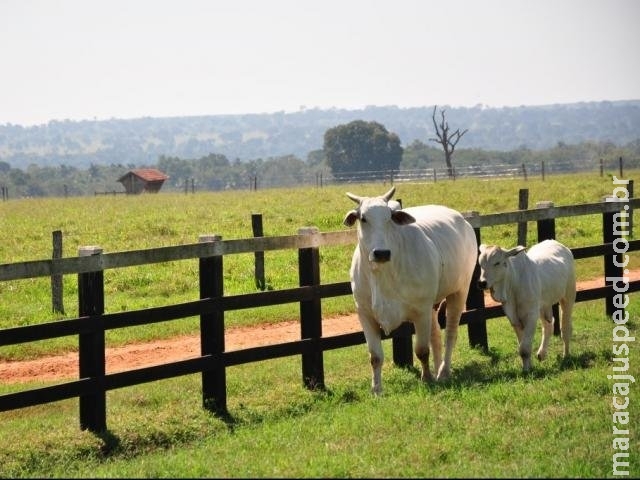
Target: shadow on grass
[(110, 443), (247, 416), (581, 361), (479, 372), (493, 367)]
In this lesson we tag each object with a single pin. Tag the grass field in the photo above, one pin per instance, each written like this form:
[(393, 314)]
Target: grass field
[(487, 420)]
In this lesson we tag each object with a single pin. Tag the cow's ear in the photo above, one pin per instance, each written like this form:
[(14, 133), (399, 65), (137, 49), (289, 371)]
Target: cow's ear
[(402, 218), (350, 218), (514, 251), (482, 248)]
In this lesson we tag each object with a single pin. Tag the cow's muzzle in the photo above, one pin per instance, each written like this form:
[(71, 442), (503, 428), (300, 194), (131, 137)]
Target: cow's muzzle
[(482, 284), (380, 256)]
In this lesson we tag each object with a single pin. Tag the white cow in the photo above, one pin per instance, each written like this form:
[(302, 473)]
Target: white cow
[(528, 285), (405, 263)]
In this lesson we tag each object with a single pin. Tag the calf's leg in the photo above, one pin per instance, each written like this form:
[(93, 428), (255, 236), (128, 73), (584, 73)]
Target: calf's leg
[(546, 320), (526, 341), (566, 325)]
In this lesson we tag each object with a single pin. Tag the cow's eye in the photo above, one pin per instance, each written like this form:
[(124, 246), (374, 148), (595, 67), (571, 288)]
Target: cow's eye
[(496, 264)]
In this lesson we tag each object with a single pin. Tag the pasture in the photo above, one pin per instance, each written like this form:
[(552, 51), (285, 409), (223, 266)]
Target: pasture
[(488, 419)]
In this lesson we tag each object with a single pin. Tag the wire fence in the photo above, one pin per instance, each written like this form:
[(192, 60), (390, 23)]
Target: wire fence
[(434, 174), (431, 173)]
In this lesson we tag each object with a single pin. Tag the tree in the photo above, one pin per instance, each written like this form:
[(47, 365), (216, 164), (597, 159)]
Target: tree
[(361, 146), (418, 155), (447, 140)]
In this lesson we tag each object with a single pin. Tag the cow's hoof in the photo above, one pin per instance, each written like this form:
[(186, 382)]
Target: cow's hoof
[(443, 374), (426, 377)]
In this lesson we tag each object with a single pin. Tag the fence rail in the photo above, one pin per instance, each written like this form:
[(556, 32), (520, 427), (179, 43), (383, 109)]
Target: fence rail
[(93, 322)]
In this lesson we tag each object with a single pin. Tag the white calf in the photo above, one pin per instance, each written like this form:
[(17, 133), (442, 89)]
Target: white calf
[(528, 285)]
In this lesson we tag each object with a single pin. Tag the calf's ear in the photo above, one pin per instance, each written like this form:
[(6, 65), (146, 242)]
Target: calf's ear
[(402, 218), (350, 218), (482, 247)]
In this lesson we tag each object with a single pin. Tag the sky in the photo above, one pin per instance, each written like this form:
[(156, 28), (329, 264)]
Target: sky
[(96, 60)]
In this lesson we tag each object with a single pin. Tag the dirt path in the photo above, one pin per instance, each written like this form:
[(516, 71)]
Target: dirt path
[(139, 355)]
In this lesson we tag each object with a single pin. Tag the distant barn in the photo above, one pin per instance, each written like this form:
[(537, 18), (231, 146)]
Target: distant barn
[(143, 180)]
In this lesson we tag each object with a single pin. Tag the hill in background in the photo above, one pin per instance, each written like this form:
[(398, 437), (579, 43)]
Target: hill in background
[(141, 141)]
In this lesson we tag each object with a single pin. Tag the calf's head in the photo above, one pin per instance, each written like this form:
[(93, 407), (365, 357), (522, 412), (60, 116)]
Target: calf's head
[(493, 264), (376, 219)]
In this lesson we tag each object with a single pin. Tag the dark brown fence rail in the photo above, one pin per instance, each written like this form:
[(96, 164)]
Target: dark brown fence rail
[(92, 322)]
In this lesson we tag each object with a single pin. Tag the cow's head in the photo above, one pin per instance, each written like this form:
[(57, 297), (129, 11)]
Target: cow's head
[(376, 218), (493, 265)]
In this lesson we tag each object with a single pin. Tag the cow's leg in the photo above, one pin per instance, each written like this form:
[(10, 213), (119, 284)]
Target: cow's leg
[(424, 333), (546, 320), (528, 330), (455, 307), (517, 327), (566, 326), (373, 336), (436, 341)]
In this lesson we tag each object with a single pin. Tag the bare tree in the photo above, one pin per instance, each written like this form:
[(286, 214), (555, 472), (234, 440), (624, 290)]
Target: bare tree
[(446, 139)]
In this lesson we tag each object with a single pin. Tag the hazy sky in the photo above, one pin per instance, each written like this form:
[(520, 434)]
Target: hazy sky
[(84, 59)]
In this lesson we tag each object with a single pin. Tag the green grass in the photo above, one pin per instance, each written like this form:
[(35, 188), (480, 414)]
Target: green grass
[(122, 223), (488, 420)]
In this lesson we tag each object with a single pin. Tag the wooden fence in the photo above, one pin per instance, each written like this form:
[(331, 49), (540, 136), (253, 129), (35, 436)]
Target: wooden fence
[(92, 322)]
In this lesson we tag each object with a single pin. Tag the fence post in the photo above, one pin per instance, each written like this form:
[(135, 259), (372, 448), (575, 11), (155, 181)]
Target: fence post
[(620, 165), (476, 329), (256, 227), (546, 227), (546, 231), (610, 234), (523, 204), (214, 380), (542, 169), (524, 171), (601, 167), (56, 278), (311, 314), (91, 345)]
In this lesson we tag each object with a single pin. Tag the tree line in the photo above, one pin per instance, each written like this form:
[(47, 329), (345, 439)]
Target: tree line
[(217, 172), (271, 135)]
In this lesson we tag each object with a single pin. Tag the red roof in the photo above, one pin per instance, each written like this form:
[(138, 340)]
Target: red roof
[(148, 174)]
